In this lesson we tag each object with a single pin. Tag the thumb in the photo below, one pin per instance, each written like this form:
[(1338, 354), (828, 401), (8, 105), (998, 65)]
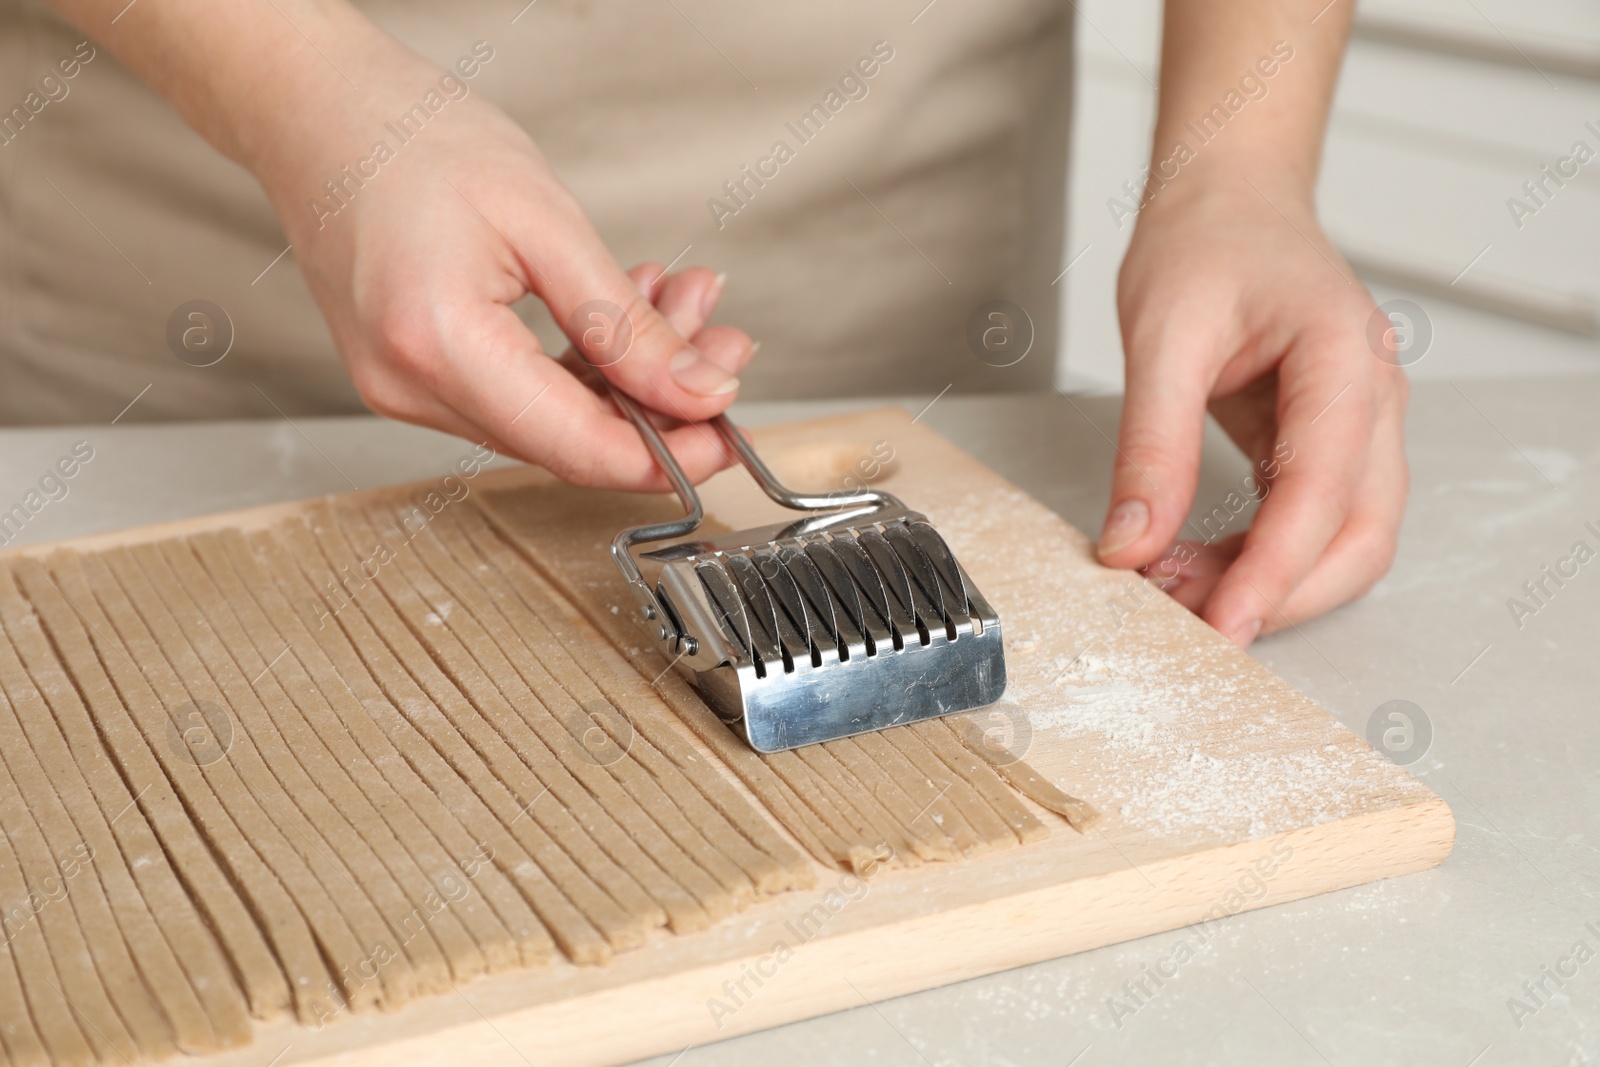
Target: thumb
[(1158, 456), (611, 322)]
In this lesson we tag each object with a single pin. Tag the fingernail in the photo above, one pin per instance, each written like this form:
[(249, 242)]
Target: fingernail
[(698, 375), (755, 346), (1246, 633), (1126, 524), (708, 303)]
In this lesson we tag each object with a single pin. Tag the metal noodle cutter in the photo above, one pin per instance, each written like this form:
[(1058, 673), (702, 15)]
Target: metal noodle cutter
[(853, 618)]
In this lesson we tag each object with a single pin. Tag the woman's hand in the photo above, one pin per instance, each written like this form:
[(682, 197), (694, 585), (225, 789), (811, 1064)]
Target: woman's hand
[(419, 215), (417, 266), (1240, 305)]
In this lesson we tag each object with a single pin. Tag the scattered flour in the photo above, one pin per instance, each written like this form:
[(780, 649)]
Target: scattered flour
[(1167, 770), (1175, 742)]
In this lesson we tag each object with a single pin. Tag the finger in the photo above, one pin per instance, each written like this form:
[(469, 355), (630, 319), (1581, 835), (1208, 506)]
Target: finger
[(1158, 449), (1362, 551), (688, 298), (616, 327), (687, 301), (1190, 560), (488, 368), (650, 277), (1326, 423), (727, 347), (1191, 570), (420, 409)]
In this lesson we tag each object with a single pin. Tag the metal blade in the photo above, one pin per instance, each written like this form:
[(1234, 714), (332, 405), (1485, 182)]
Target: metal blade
[(824, 626), (852, 614), (902, 607), (875, 598), (759, 608), (925, 582), (944, 561), (794, 624), (730, 606)]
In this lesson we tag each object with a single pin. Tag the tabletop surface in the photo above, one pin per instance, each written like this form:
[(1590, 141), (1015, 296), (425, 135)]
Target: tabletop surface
[(1492, 958)]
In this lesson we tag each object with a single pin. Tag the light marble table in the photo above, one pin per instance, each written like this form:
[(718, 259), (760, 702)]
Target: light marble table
[(1415, 971)]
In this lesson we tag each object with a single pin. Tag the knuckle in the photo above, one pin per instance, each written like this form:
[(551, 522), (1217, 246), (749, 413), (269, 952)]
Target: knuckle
[(1144, 451), (573, 466), (1318, 503), (569, 459), (653, 337), (408, 338), (380, 390), (1350, 568), (1380, 549), (569, 468)]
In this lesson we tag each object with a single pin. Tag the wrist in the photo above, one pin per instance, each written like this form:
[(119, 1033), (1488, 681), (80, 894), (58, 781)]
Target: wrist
[(314, 104), (275, 87), (1243, 102), (1238, 179)]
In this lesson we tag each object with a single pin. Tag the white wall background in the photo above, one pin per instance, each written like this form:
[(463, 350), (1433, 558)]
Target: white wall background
[(1445, 108)]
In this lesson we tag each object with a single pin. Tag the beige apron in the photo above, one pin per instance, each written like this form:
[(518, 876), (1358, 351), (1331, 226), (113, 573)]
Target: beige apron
[(906, 200)]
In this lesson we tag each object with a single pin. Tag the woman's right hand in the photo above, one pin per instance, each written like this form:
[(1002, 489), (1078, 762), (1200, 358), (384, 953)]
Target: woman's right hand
[(436, 235), (417, 262)]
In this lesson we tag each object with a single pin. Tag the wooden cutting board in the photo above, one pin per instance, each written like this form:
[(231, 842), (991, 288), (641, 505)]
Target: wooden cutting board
[(1223, 790)]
